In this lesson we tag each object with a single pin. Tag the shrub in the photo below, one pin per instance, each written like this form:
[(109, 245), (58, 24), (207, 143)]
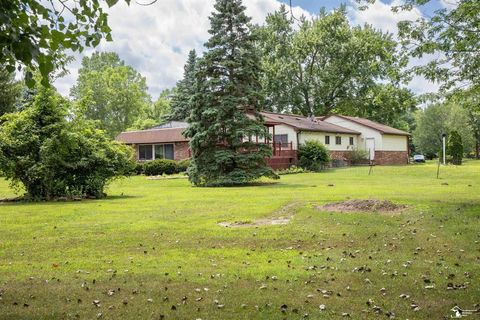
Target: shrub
[(159, 167), (291, 170), (455, 148), (183, 165), (357, 156), (139, 168), (313, 156), (52, 157)]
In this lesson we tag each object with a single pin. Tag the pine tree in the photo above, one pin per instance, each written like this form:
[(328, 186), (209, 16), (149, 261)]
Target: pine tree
[(455, 147), (226, 104), (182, 97)]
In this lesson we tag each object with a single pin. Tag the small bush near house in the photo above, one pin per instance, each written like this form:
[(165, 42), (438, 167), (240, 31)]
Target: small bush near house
[(455, 148), (357, 156), (52, 157), (139, 168), (313, 156), (159, 167), (291, 170), (183, 165)]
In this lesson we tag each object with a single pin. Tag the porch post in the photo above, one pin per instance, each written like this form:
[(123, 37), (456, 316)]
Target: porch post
[(273, 139)]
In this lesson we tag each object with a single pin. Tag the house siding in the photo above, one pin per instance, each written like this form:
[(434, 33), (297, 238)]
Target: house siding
[(320, 137), (394, 143), (284, 129), (366, 133)]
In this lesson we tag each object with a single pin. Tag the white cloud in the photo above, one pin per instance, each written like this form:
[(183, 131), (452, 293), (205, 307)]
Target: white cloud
[(156, 39), (449, 4), (381, 16)]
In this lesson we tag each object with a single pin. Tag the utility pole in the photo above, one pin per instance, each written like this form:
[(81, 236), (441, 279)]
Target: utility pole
[(444, 142)]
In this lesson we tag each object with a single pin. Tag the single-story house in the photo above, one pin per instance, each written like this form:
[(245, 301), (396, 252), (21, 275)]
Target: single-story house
[(161, 142), (340, 134), (386, 145)]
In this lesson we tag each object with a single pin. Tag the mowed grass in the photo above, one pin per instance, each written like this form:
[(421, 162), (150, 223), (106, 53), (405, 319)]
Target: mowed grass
[(153, 249)]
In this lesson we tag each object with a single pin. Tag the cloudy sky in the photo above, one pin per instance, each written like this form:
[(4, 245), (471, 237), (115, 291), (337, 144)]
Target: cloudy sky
[(156, 39)]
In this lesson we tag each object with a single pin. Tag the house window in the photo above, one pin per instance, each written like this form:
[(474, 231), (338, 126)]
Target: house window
[(148, 152), (281, 138), (164, 151), (338, 140), (159, 151), (327, 139), (169, 151), (351, 141), (145, 152)]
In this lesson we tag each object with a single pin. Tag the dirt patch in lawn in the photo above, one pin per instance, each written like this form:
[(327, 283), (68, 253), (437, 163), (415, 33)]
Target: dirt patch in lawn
[(370, 205), (280, 217)]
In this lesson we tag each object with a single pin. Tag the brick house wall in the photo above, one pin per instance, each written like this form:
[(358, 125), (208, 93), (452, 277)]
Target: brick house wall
[(181, 151), (391, 157), (381, 157)]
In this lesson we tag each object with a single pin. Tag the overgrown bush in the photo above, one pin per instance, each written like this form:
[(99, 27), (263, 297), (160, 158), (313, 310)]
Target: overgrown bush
[(159, 167), (183, 165), (52, 157), (455, 148), (357, 156), (313, 156)]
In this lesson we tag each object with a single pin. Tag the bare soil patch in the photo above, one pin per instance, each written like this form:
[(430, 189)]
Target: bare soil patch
[(279, 217), (370, 205)]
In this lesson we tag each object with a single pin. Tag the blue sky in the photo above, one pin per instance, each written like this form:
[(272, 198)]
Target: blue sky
[(156, 39), (313, 6)]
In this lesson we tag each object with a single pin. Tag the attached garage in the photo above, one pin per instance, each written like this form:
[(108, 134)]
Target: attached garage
[(386, 145)]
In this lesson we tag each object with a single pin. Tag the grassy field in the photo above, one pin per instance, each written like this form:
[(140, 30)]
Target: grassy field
[(154, 250)]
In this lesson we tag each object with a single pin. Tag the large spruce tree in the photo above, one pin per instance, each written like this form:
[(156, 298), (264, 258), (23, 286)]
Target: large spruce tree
[(182, 97), (226, 104)]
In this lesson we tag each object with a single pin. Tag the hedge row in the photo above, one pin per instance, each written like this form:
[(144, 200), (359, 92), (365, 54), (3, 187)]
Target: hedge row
[(162, 166)]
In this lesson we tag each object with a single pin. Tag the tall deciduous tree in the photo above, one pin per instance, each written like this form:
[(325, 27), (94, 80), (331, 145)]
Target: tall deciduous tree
[(451, 36), (156, 113), (469, 99), (227, 92), (33, 31), (110, 92), (10, 91), (440, 119), (327, 65), (181, 104)]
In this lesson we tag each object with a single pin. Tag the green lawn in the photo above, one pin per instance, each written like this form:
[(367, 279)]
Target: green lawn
[(154, 245)]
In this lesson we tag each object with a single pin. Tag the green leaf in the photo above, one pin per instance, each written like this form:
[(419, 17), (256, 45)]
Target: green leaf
[(111, 2)]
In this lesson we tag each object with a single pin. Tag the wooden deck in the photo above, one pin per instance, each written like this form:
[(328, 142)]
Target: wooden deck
[(283, 156)]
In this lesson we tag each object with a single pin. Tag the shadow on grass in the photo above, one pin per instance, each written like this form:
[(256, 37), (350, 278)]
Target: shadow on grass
[(24, 200)]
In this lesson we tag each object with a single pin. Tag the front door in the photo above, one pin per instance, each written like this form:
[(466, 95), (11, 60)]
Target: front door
[(370, 146)]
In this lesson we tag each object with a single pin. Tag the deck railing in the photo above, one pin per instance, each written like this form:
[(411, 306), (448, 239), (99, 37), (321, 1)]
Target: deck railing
[(282, 149)]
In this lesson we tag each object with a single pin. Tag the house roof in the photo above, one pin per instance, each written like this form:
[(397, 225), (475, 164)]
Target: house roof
[(384, 129), (172, 124), (302, 123), (152, 136)]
